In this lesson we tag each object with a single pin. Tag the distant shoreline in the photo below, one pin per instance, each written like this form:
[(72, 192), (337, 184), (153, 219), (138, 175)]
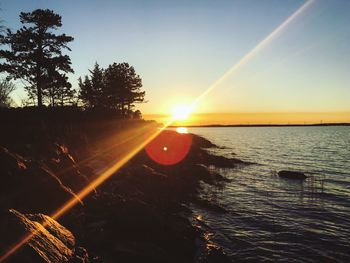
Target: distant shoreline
[(259, 125)]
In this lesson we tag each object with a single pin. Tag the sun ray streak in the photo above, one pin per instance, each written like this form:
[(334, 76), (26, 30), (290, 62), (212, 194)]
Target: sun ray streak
[(248, 56), (89, 188)]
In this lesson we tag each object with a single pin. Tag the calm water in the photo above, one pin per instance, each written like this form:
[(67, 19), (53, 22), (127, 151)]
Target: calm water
[(274, 219)]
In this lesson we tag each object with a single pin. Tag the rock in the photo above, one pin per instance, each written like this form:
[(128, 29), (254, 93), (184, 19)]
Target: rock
[(62, 163), (54, 228), (292, 175), (216, 254), (206, 175), (201, 142), (139, 251), (29, 187), (48, 241), (133, 216), (10, 163)]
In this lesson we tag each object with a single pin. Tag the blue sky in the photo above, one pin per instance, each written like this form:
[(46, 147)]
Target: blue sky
[(181, 47)]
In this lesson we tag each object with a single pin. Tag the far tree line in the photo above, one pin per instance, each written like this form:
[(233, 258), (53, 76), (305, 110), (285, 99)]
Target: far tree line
[(34, 54)]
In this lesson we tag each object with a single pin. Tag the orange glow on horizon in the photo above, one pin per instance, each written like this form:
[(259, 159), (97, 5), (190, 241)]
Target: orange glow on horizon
[(251, 118)]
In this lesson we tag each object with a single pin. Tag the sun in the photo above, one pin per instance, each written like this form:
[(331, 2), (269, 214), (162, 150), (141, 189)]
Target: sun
[(181, 112)]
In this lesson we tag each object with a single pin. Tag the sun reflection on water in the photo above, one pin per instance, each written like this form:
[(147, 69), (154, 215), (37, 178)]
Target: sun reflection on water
[(181, 130)]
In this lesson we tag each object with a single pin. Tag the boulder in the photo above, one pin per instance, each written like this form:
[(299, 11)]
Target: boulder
[(47, 240), (294, 175)]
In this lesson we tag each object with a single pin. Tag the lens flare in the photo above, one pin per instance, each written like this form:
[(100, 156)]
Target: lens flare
[(248, 56), (169, 147)]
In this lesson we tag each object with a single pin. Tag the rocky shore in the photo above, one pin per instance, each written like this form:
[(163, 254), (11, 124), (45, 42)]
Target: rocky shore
[(140, 214)]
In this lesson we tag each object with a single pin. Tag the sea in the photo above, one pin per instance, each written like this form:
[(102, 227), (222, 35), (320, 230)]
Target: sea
[(266, 218)]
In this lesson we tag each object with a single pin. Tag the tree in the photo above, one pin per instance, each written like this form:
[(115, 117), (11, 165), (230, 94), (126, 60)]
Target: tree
[(116, 88), (6, 88), (91, 89), (122, 87), (59, 91), (137, 115), (35, 51)]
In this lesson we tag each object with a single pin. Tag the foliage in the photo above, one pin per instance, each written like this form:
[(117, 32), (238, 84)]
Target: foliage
[(6, 87), (91, 88), (35, 55), (116, 88)]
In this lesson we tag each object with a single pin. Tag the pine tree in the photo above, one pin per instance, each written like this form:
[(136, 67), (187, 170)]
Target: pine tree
[(91, 88), (122, 87), (116, 88), (34, 50)]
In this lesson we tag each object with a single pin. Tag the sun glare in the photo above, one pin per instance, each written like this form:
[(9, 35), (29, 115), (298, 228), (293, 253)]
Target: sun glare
[(181, 112)]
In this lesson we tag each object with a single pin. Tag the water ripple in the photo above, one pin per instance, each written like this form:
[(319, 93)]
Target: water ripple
[(270, 219)]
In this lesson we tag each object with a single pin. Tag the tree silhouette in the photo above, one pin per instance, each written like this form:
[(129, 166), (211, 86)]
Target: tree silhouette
[(116, 88), (35, 52), (91, 89), (6, 88), (59, 91), (122, 87)]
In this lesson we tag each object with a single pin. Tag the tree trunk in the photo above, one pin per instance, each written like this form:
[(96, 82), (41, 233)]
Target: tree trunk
[(39, 92), (123, 109), (38, 72), (129, 108)]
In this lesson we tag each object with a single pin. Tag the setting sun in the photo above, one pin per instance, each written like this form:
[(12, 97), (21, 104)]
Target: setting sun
[(181, 112)]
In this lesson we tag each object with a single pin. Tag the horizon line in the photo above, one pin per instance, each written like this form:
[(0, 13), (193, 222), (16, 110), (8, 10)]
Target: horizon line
[(255, 112), (262, 125)]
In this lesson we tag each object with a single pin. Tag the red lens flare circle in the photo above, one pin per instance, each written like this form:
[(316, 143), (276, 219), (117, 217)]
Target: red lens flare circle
[(169, 147)]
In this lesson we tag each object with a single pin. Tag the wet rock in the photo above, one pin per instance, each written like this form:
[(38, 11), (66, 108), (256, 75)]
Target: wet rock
[(209, 176), (294, 175), (47, 240), (220, 161), (216, 254), (201, 142)]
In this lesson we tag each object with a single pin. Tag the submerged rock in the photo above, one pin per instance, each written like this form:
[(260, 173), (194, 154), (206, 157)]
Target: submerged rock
[(292, 175)]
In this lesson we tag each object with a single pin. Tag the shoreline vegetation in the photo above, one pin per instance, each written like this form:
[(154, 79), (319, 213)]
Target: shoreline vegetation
[(139, 214)]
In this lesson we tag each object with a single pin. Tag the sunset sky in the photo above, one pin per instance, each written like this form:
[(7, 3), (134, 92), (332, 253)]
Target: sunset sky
[(180, 48)]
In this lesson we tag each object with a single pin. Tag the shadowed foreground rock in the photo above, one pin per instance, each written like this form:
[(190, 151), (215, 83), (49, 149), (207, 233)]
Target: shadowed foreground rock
[(51, 242), (29, 186), (140, 214)]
